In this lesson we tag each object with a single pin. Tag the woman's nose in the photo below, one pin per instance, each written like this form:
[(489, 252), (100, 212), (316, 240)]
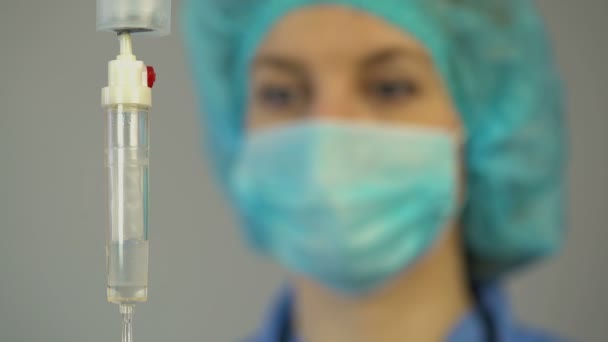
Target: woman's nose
[(335, 101)]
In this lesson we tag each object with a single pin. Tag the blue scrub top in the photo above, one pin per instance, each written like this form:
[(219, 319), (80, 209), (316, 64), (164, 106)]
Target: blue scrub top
[(490, 321)]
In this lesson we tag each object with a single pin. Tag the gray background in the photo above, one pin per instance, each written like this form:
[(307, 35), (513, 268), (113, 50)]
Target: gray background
[(204, 285)]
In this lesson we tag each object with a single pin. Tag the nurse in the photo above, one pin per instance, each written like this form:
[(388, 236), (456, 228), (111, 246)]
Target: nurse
[(399, 158)]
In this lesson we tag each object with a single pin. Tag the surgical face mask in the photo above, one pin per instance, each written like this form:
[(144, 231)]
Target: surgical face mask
[(350, 205)]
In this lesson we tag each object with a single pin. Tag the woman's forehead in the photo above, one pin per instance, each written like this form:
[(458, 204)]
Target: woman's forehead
[(335, 32)]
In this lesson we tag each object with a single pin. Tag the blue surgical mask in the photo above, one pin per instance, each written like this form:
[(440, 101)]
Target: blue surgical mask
[(350, 205)]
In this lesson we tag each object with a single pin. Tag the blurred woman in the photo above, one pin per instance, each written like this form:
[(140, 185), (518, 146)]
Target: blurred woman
[(398, 157)]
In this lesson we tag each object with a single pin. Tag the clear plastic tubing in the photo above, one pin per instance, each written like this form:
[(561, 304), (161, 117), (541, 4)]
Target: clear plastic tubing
[(127, 322)]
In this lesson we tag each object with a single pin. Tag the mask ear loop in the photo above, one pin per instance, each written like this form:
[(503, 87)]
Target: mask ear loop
[(460, 141)]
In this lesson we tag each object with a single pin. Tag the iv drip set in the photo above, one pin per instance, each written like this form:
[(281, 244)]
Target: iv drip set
[(126, 103)]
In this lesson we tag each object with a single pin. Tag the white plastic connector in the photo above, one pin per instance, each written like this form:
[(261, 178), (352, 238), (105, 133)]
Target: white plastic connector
[(127, 79)]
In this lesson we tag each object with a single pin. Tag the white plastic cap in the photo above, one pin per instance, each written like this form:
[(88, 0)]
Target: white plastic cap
[(150, 17), (128, 79)]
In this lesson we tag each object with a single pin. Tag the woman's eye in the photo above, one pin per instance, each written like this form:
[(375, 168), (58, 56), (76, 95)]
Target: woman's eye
[(392, 90), (277, 96)]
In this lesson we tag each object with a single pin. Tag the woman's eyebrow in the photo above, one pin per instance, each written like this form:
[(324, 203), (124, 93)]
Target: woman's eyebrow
[(390, 54), (279, 62)]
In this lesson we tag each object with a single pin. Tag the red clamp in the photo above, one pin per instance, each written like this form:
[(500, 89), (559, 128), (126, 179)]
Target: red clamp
[(151, 76)]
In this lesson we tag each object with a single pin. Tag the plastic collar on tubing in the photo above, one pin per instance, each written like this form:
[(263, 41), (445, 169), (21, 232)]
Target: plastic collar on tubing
[(128, 80)]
